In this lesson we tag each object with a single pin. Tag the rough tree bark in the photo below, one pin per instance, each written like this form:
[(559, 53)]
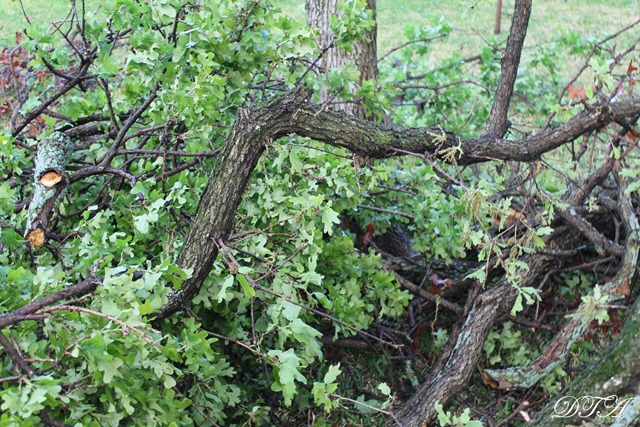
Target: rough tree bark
[(363, 54), (497, 123), (615, 289), (456, 366)]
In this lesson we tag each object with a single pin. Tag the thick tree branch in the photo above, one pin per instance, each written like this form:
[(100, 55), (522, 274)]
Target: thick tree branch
[(574, 329), (50, 181), (497, 124), (293, 113), (377, 141), (216, 211)]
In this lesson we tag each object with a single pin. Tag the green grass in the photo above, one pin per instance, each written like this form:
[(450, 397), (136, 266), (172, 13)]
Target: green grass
[(472, 22), (12, 17)]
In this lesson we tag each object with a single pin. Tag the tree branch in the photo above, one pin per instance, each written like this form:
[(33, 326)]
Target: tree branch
[(620, 365), (85, 287), (458, 365), (293, 113), (601, 243), (19, 364), (497, 123)]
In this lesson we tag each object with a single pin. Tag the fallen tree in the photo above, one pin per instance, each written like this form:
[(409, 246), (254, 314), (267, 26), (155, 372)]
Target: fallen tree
[(259, 126)]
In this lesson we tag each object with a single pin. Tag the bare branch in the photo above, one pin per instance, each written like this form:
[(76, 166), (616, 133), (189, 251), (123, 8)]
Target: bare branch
[(410, 42), (53, 98), (497, 123), (99, 170)]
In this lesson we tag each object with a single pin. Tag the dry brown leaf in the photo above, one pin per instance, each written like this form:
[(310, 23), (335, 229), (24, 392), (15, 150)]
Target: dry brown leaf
[(368, 235), (576, 92), (623, 289), (495, 383)]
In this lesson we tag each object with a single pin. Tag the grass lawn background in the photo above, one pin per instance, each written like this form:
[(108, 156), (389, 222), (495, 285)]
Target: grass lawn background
[(472, 21)]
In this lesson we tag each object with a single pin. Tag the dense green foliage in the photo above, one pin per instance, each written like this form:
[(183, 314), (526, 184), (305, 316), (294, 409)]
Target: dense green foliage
[(242, 356), (105, 365)]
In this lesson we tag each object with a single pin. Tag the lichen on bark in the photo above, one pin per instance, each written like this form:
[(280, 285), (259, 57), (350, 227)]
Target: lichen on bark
[(50, 181)]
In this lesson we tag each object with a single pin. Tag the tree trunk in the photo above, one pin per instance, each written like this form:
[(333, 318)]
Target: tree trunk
[(496, 29), (363, 54)]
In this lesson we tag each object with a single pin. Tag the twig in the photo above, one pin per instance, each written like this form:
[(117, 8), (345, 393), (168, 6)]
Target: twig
[(13, 379), (170, 152), (318, 58), (427, 295), (242, 251), (257, 286), (205, 416), (283, 263), (424, 39), (184, 166), (119, 139), (145, 336), (515, 413), (99, 170), (24, 13), (45, 418), (19, 363), (235, 341), (373, 408), (45, 104), (376, 209)]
